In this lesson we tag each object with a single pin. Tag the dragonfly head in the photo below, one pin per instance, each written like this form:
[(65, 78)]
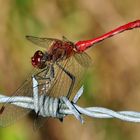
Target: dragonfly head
[(39, 59)]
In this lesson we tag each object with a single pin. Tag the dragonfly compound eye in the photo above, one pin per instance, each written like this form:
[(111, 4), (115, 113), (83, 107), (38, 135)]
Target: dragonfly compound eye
[(37, 60)]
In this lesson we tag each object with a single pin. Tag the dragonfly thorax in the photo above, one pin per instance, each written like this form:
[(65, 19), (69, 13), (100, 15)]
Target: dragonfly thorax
[(61, 50), (58, 51)]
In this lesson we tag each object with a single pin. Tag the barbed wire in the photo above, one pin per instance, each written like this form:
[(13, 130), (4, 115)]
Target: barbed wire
[(62, 106)]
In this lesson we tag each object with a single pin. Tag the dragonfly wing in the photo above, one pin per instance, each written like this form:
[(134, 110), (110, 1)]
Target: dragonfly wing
[(39, 122), (12, 113), (62, 81), (83, 59), (42, 42)]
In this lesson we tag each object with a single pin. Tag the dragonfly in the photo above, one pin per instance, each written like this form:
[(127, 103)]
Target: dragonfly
[(57, 69)]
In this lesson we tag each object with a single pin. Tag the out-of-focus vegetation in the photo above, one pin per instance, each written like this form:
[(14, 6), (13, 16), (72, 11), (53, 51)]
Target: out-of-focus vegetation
[(114, 80)]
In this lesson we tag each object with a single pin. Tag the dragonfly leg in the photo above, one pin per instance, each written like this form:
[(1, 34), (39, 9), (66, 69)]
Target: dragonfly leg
[(38, 77), (47, 75), (72, 77)]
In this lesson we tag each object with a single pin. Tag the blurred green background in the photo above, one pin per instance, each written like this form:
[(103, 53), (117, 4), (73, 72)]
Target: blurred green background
[(113, 81)]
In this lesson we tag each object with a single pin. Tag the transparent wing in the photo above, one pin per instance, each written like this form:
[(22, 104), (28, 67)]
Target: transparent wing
[(84, 59), (39, 122), (62, 81), (42, 42), (12, 113)]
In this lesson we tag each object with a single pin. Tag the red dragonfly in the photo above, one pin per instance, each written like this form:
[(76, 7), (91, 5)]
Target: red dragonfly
[(61, 65)]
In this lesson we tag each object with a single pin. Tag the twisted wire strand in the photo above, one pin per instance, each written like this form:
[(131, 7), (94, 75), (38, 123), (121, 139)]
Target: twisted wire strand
[(60, 107)]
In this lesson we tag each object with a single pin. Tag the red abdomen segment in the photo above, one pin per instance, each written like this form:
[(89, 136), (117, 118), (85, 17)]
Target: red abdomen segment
[(83, 45)]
